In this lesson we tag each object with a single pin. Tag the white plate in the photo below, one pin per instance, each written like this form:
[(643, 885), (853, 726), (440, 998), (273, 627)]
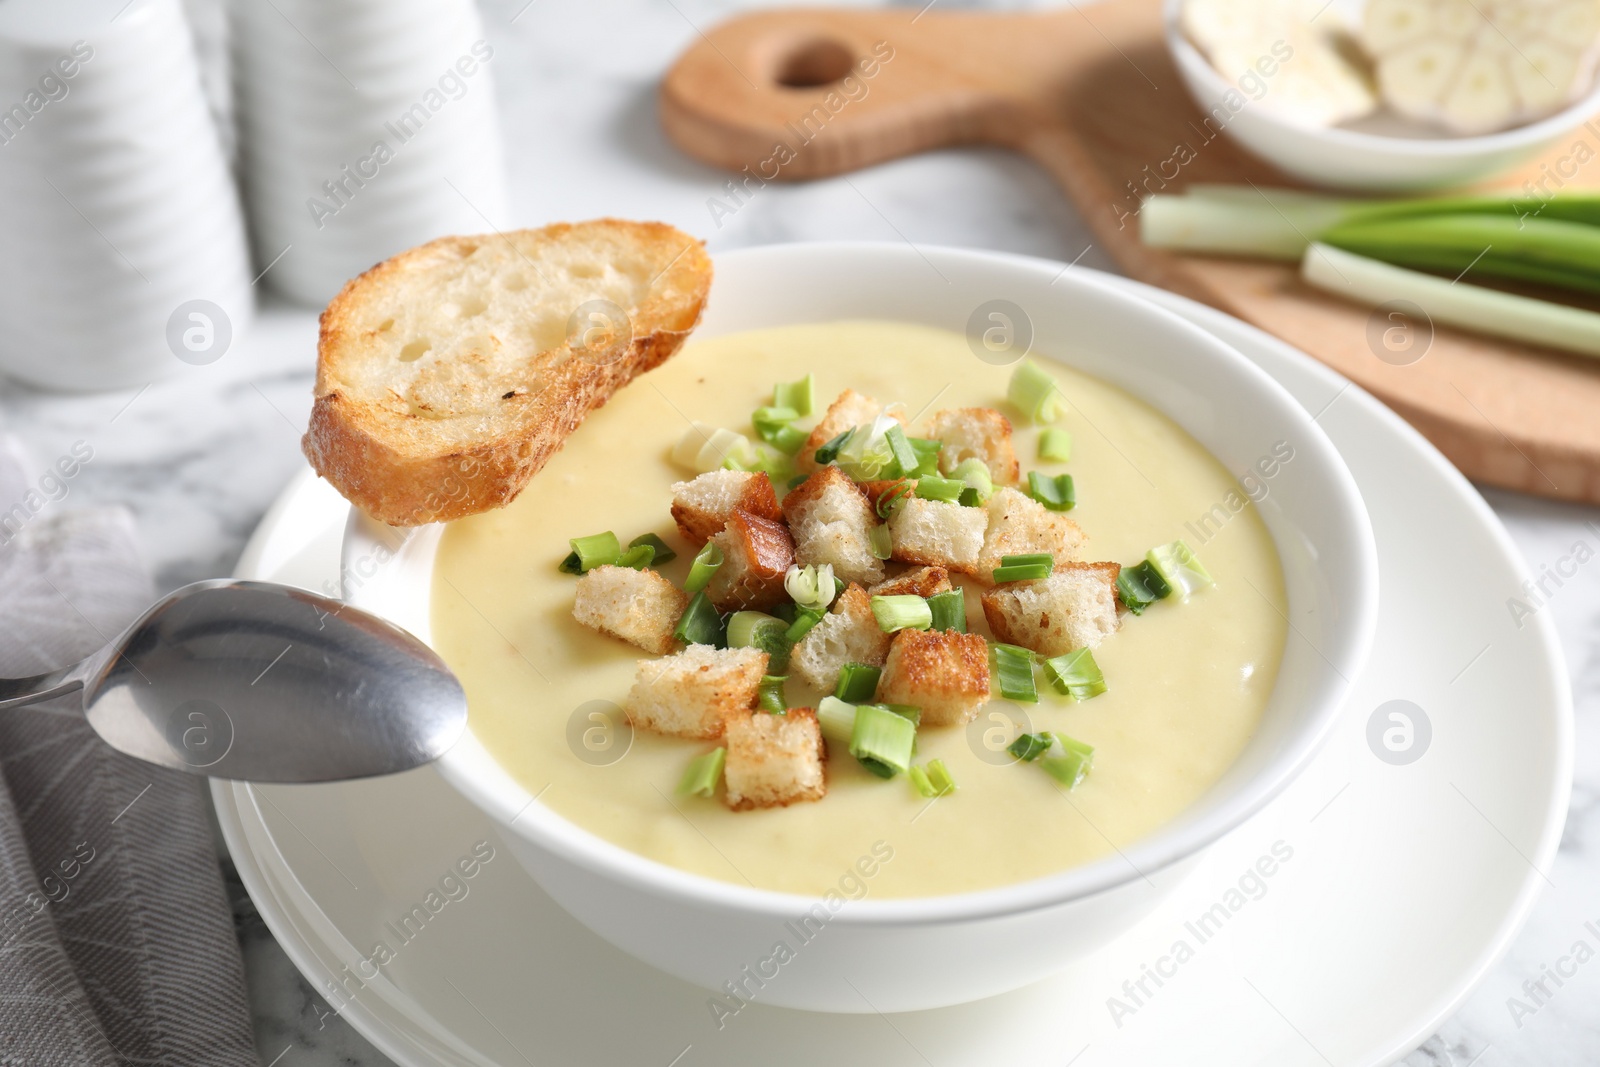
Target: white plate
[(1405, 885)]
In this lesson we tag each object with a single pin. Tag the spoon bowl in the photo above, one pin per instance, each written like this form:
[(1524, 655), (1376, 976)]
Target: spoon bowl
[(263, 682)]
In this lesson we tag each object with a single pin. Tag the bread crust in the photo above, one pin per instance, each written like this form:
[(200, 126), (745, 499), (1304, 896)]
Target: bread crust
[(385, 464)]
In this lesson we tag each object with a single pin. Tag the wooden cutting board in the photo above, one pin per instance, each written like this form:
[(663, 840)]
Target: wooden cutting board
[(1092, 96)]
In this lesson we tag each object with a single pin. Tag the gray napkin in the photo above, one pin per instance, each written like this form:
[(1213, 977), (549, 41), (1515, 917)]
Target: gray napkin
[(116, 939)]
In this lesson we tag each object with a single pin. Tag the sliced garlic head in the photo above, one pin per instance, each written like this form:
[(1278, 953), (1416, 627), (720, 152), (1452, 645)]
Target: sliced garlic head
[(1477, 66)]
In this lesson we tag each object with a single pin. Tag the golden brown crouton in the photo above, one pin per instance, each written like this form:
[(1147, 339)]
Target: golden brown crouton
[(848, 634), (1073, 608), (773, 760), (692, 693), (756, 553), (1019, 524), (943, 672), (850, 410), (640, 607), (919, 581), (831, 522), (975, 433), (937, 533), (702, 506)]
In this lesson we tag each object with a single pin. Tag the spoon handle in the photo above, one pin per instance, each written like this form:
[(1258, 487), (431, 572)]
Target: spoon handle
[(17, 692)]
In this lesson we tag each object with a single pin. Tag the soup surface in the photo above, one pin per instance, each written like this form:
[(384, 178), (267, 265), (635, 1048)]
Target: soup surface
[(1187, 681)]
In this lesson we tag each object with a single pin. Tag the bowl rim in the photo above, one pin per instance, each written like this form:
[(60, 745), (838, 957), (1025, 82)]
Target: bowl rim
[(475, 773), (1190, 60)]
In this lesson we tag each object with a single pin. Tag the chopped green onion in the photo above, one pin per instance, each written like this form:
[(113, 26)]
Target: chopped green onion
[(1034, 392), (811, 586), (836, 719), (866, 454), (804, 620), (699, 624), (1055, 445), (705, 564), (1055, 493), (773, 416), (1178, 567), (969, 498), (927, 450), (764, 458), (881, 541), (705, 448), (906, 460), (857, 683), (945, 489), (882, 740), (1075, 674), (949, 610), (638, 557), (1067, 761), (703, 773), (932, 780), (755, 629), (975, 472), (1029, 747), (1013, 670), (1028, 567), (830, 451), (1141, 585), (905, 711), (890, 499), (570, 564), (663, 552), (596, 550), (769, 694), (773, 426), (906, 612), (801, 395)]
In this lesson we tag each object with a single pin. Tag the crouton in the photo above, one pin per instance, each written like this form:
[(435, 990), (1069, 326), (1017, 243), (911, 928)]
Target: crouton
[(1073, 608), (703, 506), (847, 634), (937, 533), (773, 760), (975, 433), (920, 581), (943, 672), (850, 410), (1019, 524), (691, 694), (756, 553), (832, 523), (640, 607)]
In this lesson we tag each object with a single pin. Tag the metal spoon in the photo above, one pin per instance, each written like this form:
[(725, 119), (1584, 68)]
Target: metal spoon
[(262, 682)]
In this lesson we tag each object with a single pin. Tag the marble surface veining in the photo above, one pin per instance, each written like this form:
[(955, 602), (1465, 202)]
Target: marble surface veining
[(199, 457)]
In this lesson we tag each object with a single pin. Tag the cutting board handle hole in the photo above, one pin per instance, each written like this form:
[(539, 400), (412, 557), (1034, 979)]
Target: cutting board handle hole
[(812, 62)]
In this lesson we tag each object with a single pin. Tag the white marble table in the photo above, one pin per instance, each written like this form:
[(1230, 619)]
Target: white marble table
[(199, 457)]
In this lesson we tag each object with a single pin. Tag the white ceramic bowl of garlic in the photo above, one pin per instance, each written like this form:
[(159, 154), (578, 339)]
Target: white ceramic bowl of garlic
[(1380, 151)]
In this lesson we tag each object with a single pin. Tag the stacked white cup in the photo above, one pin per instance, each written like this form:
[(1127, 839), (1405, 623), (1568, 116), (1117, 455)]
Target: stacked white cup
[(124, 244), (366, 127)]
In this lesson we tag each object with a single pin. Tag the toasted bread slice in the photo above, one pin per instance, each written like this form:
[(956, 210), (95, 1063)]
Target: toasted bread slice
[(447, 375)]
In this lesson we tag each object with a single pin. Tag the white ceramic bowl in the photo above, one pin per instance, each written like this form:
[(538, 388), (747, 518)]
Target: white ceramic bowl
[(901, 955), (1360, 161)]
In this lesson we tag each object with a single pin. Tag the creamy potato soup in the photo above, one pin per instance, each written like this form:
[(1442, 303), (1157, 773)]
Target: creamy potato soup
[(1186, 681)]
